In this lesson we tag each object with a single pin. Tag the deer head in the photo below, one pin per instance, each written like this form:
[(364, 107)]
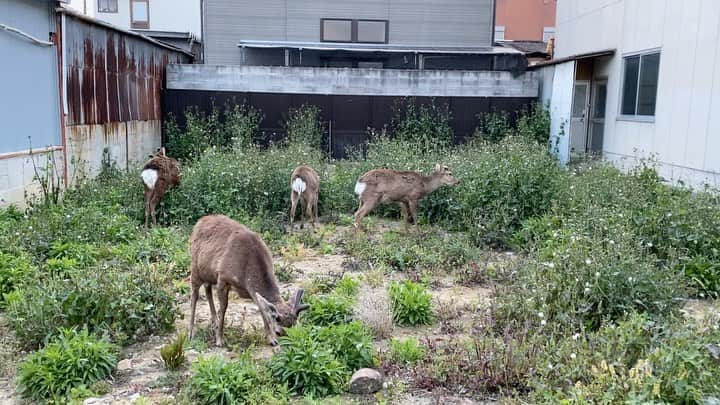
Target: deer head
[(281, 315), (445, 175)]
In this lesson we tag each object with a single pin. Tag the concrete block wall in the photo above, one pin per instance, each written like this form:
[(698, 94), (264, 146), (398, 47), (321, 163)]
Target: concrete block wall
[(18, 176)]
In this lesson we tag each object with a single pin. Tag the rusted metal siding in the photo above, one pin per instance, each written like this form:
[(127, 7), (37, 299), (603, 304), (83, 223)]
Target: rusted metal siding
[(113, 76)]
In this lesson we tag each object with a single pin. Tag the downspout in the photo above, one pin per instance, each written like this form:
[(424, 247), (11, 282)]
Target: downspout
[(61, 93)]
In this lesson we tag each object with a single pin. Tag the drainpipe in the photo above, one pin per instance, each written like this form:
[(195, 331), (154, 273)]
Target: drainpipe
[(61, 94)]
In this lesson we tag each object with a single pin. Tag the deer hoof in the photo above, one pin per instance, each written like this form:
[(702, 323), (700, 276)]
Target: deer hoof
[(219, 342), (272, 341)]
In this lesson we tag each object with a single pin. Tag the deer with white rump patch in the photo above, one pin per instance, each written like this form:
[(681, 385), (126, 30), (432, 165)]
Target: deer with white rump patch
[(304, 188), (158, 175), (227, 255), (406, 188)]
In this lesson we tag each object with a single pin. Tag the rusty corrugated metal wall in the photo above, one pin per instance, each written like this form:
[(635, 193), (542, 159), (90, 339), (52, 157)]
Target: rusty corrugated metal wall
[(112, 85), (113, 76)]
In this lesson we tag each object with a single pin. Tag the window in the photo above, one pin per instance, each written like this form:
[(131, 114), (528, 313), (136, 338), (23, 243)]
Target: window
[(140, 14), (548, 32), (372, 31), (640, 81), (499, 33), (107, 6), (342, 30), (337, 30)]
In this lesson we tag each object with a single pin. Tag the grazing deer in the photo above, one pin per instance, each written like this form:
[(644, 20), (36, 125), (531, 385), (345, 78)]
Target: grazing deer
[(225, 254), (158, 175), (406, 188), (304, 187)]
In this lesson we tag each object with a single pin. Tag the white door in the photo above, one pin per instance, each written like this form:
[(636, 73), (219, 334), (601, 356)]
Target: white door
[(597, 116), (578, 118)]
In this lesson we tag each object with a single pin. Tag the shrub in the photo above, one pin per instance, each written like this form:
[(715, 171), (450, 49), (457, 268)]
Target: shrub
[(306, 365), (217, 381), (347, 286), (351, 344), (14, 270), (411, 303), (242, 122), (173, 353), (534, 124), (426, 126), (328, 310), (578, 280), (73, 359), (408, 351), (494, 126), (304, 126), (82, 254), (127, 302)]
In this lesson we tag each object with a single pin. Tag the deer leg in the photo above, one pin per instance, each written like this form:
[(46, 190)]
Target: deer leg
[(309, 205), (294, 197), (211, 303), (404, 209), (412, 204), (223, 291), (148, 196), (365, 208), (153, 202), (315, 208), (194, 294)]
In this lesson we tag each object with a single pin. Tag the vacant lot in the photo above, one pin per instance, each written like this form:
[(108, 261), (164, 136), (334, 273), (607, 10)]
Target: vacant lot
[(526, 282)]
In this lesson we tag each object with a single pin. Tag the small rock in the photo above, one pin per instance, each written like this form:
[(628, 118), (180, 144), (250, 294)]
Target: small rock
[(124, 365), (714, 351), (366, 381)]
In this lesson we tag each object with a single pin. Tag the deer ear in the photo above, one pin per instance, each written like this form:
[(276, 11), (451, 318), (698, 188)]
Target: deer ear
[(438, 168), (265, 305)]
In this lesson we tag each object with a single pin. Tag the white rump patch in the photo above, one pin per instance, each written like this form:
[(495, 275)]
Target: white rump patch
[(359, 188), (298, 185), (149, 177)]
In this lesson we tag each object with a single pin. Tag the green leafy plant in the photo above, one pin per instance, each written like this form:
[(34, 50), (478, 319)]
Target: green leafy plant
[(425, 126), (304, 126), (411, 303), (306, 365), (14, 270), (215, 380), (408, 351), (327, 310), (75, 358), (351, 343), (127, 302), (173, 353)]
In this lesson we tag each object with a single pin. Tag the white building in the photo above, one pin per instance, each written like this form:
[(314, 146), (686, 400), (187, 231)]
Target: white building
[(177, 22), (638, 79)]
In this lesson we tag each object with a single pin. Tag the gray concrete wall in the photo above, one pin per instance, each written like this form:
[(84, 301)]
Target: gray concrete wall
[(29, 78), (368, 82), (416, 23)]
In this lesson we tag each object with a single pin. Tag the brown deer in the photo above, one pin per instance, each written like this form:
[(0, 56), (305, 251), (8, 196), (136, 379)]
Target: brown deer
[(406, 188), (304, 188), (225, 254), (158, 175)]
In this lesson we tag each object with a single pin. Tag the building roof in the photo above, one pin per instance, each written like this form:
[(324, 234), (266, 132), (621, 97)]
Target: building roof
[(528, 47), (587, 55), (362, 47), (189, 36), (72, 13)]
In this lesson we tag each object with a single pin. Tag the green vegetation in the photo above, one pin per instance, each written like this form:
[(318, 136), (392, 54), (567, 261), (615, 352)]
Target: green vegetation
[(411, 304), (173, 353), (73, 360), (588, 312), (407, 352)]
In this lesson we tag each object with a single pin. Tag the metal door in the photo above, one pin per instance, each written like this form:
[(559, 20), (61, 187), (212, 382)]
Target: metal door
[(578, 118), (597, 116)]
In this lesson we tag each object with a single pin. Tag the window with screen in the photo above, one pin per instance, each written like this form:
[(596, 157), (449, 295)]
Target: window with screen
[(337, 30), (107, 6), (640, 82), (372, 31), (140, 13), (345, 30)]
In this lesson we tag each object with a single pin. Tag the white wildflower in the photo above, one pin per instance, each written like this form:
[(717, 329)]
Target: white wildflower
[(543, 322), (588, 262), (597, 274), (572, 356), (575, 336), (587, 290), (541, 315)]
